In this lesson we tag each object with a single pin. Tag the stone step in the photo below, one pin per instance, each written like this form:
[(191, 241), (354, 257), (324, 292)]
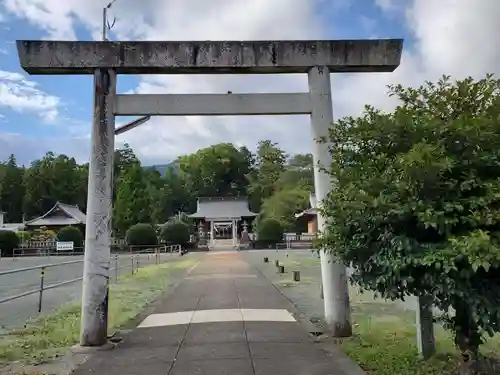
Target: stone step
[(223, 243)]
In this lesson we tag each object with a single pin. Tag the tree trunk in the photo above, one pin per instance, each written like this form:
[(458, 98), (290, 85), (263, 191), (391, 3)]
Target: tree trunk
[(467, 337)]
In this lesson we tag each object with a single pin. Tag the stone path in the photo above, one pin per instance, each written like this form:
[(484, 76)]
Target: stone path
[(222, 319)]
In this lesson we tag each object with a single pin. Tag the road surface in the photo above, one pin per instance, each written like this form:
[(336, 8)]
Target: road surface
[(15, 313)]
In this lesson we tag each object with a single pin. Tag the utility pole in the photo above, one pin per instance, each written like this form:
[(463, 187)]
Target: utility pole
[(105, 24)]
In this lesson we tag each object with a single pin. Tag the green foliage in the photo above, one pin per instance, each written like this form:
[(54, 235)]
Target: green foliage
[(269, 166), (176, 233), (8, 242), (284, 204), (218, 170), (71, 234), (417, 208), (53, 178), (269, 231), (141, 234), (23, 236), (298, 173), (43, 234), (11, 191), (133, 199)]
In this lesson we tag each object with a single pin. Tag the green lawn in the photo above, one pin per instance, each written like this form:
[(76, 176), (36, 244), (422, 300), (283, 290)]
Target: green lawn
[(48, 337)]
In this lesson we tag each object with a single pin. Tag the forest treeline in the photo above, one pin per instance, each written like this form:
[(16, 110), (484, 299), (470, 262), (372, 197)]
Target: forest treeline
[(276, 184)]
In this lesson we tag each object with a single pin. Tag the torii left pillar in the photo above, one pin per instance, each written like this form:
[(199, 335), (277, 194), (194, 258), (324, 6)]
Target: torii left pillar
[(95, 297)]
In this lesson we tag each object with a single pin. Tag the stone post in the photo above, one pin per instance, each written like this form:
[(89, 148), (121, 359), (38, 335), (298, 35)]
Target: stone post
[(333, 273), (426, 342), (211, 233)]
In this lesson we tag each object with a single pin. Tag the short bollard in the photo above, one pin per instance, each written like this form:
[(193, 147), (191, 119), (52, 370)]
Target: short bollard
[(40, 296), (266, 260), (137, 263), (296, 275), (281, 269), (132, 259), (117, 268), (277, 263)]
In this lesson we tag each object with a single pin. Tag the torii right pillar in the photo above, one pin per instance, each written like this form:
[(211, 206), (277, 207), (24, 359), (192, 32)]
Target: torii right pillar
[(333, 273)]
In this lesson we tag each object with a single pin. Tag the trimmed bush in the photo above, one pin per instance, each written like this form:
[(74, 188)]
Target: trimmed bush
[(71, 234), (43, 234), (176, 233), (141, 234), (8, 242), (24, 236), (269, 231)]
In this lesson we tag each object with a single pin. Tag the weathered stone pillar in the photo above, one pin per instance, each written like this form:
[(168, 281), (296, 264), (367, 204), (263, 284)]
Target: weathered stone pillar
[(94, 319), (211, 233), (426, 342), (333, 273), (235, 231)]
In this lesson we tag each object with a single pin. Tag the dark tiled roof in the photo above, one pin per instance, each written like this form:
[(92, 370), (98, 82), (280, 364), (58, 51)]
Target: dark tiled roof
[(222, 207)]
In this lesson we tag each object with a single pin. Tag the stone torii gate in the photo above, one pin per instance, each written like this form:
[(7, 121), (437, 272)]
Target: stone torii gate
[(105, 60)]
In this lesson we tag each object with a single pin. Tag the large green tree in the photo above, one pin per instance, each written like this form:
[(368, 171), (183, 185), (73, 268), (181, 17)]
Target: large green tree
[(54, 178), (219, 170), (284, 204), (298, 172), (269, 165), (133, 200), (417, 207), (12, 190)]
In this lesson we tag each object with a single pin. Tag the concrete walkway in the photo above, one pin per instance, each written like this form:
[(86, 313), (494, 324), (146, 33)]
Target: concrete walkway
[(224, 318)]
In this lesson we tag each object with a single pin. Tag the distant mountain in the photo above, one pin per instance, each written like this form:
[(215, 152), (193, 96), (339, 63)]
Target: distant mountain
[(162, 167)]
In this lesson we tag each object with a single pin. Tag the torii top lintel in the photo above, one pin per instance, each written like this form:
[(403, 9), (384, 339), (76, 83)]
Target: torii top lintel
[(202, 57)]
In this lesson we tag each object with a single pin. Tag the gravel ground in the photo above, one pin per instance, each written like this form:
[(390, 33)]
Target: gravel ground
[(15, 313), (306, 294)]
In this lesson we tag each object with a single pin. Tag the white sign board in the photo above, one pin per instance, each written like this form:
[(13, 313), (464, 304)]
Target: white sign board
[(64, 246)]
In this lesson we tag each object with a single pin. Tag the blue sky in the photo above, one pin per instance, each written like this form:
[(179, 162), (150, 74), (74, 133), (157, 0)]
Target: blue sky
[(52, 113)]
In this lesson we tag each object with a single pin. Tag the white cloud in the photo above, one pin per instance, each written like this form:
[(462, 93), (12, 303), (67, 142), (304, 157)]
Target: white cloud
[(23, 95), (451, 36)]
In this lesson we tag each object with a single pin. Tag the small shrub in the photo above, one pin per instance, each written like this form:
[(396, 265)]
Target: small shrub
[(270, 231), (8, 242), (24, 236), (43, 234), (71, 234), (176, 233), (141, 234)]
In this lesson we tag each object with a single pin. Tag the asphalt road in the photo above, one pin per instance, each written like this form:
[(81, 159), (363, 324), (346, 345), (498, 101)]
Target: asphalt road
[(15, 313)]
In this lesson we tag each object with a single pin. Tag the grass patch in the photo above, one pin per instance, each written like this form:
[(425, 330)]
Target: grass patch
[(385, 341), (295, 261), (47, 337), (289, 282)]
